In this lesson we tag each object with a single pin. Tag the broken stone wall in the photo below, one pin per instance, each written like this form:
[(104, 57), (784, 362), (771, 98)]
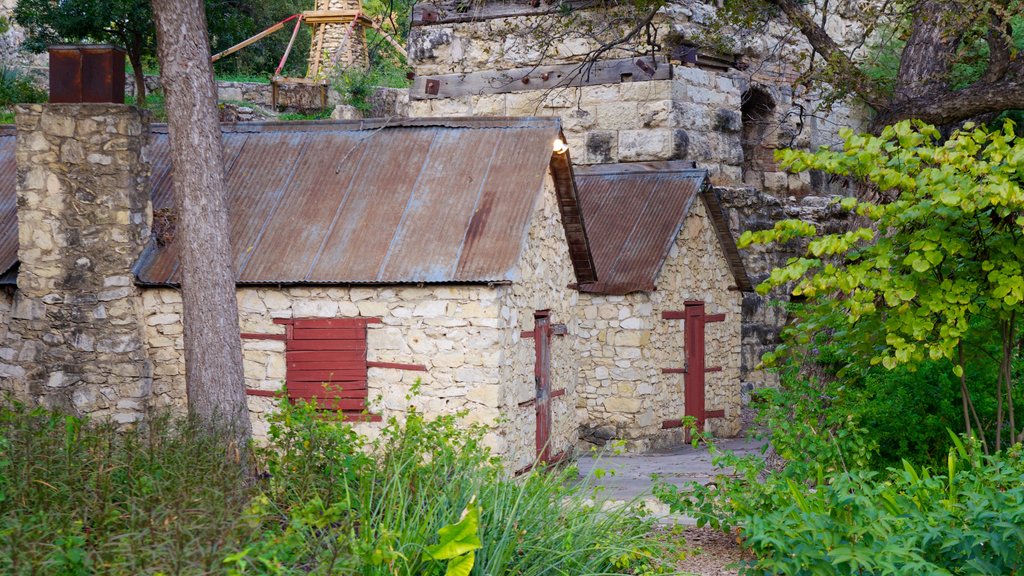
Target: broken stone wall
[(625, 344), (75, 341), (765, 316)]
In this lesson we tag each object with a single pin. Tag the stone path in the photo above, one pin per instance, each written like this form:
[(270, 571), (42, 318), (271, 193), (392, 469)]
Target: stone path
[(708, 552), (632, 473)]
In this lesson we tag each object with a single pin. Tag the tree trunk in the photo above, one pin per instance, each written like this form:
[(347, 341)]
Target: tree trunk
[(213, 349), (135, 57)]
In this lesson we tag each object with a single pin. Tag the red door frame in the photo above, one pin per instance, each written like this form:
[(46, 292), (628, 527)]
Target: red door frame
[(695, 367), (542, 381), (693, 345)]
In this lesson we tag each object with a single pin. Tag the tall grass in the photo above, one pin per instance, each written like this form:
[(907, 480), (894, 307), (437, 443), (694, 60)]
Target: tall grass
[(81, 498), (376, 514)]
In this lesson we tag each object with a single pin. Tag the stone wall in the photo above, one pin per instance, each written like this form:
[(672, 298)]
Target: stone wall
[(765, 316), (74, 340), (625, 344), (545, 273), (706, 113), (467, 338), (6, 304)]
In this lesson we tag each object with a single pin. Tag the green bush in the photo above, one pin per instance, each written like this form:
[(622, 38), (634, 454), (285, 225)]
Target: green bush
[(81, 498), (908, 520), (969, 520), (18, 88), (331, 508)]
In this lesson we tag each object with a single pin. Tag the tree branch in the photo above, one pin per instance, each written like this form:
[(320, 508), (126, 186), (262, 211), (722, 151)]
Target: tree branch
[(824, 45)]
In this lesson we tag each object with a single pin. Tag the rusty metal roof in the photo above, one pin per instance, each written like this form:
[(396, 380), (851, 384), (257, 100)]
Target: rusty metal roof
[(414, 201), (633, 214), (8, 204), (423, 201)]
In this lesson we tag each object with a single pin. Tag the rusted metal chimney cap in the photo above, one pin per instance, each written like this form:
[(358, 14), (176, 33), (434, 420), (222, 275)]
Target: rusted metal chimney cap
[(86, 73), (86, 47)]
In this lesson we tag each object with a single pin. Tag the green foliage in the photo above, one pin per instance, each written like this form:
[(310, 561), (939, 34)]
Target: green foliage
[(129, 23), (232, 21), (806, 430), (357, 86), (18, 88), (80, 498), (906, 520), (387, 68), (431, 500), (969, 520), (422, 498), (945, 251)]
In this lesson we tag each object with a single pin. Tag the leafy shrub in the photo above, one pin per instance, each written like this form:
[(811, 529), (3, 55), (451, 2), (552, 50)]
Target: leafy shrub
[(906, 520), (78, 497), (330, 507), (969, 520)]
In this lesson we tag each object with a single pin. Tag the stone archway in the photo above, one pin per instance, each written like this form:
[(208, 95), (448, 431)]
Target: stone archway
[(760, 136)]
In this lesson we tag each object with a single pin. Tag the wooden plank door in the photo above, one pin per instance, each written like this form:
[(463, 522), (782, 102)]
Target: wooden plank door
[(542, 379), (693, 381)]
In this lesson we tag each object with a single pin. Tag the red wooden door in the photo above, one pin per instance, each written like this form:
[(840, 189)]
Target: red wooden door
[(542, 379), (693, 382)]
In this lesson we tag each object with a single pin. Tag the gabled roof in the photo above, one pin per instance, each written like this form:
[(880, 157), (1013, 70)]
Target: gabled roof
[(634, 212), (414, 201)]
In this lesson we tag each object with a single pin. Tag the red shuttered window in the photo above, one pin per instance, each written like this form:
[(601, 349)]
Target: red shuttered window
[(326, 359)]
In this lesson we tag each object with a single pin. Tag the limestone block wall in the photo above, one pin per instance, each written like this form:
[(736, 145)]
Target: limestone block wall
[(704, 113), (467, 338), (74, 339), (447, 329), (607, 123), (6, 303), (625, 344), (545, 273)]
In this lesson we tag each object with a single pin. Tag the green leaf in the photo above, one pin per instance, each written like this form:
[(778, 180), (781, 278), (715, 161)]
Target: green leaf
[(461, 565), (459, 538)]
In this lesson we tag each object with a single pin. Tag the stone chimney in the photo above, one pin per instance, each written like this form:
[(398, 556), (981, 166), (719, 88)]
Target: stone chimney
[(84, 214)]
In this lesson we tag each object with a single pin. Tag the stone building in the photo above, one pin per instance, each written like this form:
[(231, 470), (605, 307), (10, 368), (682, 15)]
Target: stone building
[(665, 95), (379, 266), (660, 329), (668, 98)]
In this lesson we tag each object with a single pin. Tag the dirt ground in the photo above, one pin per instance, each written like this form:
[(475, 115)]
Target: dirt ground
[(711, 553)]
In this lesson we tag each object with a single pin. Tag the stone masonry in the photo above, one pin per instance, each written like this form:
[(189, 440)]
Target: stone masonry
[(467, 337), (625, 343), (728, 120), (338, 45), (74, 339)]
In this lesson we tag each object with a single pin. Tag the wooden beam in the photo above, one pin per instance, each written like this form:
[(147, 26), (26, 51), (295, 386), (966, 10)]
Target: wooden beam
[(397, 366), (451, 11), (540, 78), (249, 41)]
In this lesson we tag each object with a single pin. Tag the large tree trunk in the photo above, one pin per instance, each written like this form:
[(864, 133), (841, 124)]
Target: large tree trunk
[(213, 350)]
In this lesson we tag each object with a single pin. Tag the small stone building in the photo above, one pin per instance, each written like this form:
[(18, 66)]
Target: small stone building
[(369, 257), (659, 332)]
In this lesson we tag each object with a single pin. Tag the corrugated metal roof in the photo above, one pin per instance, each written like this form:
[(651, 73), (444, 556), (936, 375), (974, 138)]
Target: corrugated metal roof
[(633, 214), (8, 203), (367, 202), (414, 201)]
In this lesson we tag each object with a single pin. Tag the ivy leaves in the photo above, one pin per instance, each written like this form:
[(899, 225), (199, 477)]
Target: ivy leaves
[(947, 249)]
